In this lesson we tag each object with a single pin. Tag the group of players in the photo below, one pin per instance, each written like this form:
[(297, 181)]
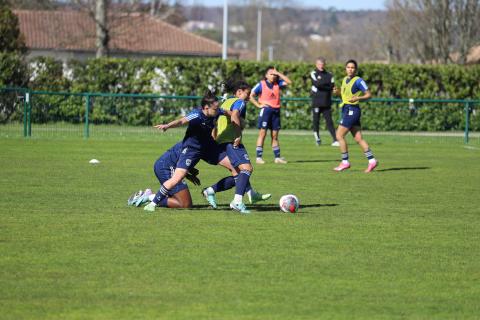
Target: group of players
[(214, 134)]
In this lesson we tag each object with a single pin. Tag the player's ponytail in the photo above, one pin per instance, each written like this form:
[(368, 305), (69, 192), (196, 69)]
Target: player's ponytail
[(208, 98), (228, 86), (231, 86)]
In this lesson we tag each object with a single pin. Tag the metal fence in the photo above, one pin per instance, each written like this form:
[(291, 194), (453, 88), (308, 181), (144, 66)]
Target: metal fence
[(45, 113)]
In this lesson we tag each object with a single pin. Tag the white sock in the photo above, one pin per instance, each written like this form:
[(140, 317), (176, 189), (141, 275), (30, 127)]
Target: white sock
[(210, 190), (371, 160), (345, 162), (151, 197), (238, 198)]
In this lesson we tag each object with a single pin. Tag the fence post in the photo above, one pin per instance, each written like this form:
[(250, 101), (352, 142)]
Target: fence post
[(467, 120), (25, 110), (29, 113), (86, 129)]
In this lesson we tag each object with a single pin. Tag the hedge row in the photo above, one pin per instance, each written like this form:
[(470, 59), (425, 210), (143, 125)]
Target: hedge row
[(180, 76)]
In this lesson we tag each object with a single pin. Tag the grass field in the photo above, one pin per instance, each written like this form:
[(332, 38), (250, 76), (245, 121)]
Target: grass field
[(400, 243)]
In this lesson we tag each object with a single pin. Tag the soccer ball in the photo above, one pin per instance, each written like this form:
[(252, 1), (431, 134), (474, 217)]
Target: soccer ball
[(289, 203)]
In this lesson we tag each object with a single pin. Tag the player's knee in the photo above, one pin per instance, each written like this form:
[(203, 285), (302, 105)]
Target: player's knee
[(246, 167)]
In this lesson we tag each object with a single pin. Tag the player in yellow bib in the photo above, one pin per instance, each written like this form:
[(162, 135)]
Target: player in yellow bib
[(229, 137), (354, 89)]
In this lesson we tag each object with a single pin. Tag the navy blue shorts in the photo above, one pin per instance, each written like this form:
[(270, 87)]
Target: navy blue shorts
[(164, 171), (269, 118), (209, 152), (350, 116), (237, 156), (189, 157), (212, 153)]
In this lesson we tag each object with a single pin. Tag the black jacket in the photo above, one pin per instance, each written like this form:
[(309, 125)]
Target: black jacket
[(322, 86)]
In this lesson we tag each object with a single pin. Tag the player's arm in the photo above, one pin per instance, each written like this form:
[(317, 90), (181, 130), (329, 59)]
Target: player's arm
[(172, 124), (366, 92), (237, 123), (214, 133), (283, 77), (366, 95), (336, 91), (253, 99)]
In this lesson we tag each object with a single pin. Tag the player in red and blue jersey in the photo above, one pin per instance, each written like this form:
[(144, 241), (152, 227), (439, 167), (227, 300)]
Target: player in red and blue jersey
[(268, 93), (354, 89)]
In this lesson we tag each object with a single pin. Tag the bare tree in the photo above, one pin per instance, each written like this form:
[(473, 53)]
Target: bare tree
[(434, 30), (33, 4), (467, 13), (101, 28)]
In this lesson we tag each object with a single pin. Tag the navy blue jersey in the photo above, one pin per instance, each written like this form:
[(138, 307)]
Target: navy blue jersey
[(359, 85), (171, 156), (241, 106), (199, 131)]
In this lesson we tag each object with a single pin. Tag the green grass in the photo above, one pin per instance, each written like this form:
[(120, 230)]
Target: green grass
[(400, 243)]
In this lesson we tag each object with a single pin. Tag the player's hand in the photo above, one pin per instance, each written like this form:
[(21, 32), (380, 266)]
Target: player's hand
[(354, 99), (192, 176), (162, 127), (237, 142)]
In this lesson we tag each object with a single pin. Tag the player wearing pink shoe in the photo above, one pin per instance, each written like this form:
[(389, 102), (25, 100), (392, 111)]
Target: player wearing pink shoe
[(354, 89)]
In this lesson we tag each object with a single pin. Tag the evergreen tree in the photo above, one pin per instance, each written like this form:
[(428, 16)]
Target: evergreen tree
[(11, 40)]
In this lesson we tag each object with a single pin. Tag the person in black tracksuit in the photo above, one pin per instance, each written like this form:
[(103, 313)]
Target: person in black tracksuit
[(321, 93)]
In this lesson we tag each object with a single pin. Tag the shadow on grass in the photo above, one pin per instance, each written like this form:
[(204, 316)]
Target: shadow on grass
[(261, 207), (403, 168), (306, 161), (274, 207)]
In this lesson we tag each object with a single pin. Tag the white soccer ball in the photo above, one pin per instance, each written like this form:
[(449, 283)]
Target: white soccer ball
[(94, 161), (289, 203)]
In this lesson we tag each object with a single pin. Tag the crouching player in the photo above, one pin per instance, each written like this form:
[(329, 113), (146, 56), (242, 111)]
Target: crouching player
[(229, 137), (179, 196), (197, 144)]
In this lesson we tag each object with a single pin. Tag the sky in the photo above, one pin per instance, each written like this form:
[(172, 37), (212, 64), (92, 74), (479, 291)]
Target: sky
[(325, 4)]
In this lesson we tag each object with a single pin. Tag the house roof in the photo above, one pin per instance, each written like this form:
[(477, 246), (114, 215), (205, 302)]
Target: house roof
[(129, 32)]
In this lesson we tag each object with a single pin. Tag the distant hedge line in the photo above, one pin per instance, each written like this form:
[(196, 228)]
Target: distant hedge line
[(180, 76)]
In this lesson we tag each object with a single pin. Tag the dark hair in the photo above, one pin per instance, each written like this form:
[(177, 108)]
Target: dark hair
[(208, 98), (354, 62), (268, 68), (232, 85), (322, 59)]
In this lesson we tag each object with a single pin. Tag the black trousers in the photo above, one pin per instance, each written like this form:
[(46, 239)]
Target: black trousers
[(327, 114)]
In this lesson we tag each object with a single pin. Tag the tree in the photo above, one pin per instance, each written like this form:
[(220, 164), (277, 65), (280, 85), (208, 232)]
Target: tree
[(101, 27), (437, 31), (11, 40), (34, 4)]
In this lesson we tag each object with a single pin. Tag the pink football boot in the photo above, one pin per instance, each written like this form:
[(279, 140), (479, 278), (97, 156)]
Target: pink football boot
[(342, 166), (371, 165)]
